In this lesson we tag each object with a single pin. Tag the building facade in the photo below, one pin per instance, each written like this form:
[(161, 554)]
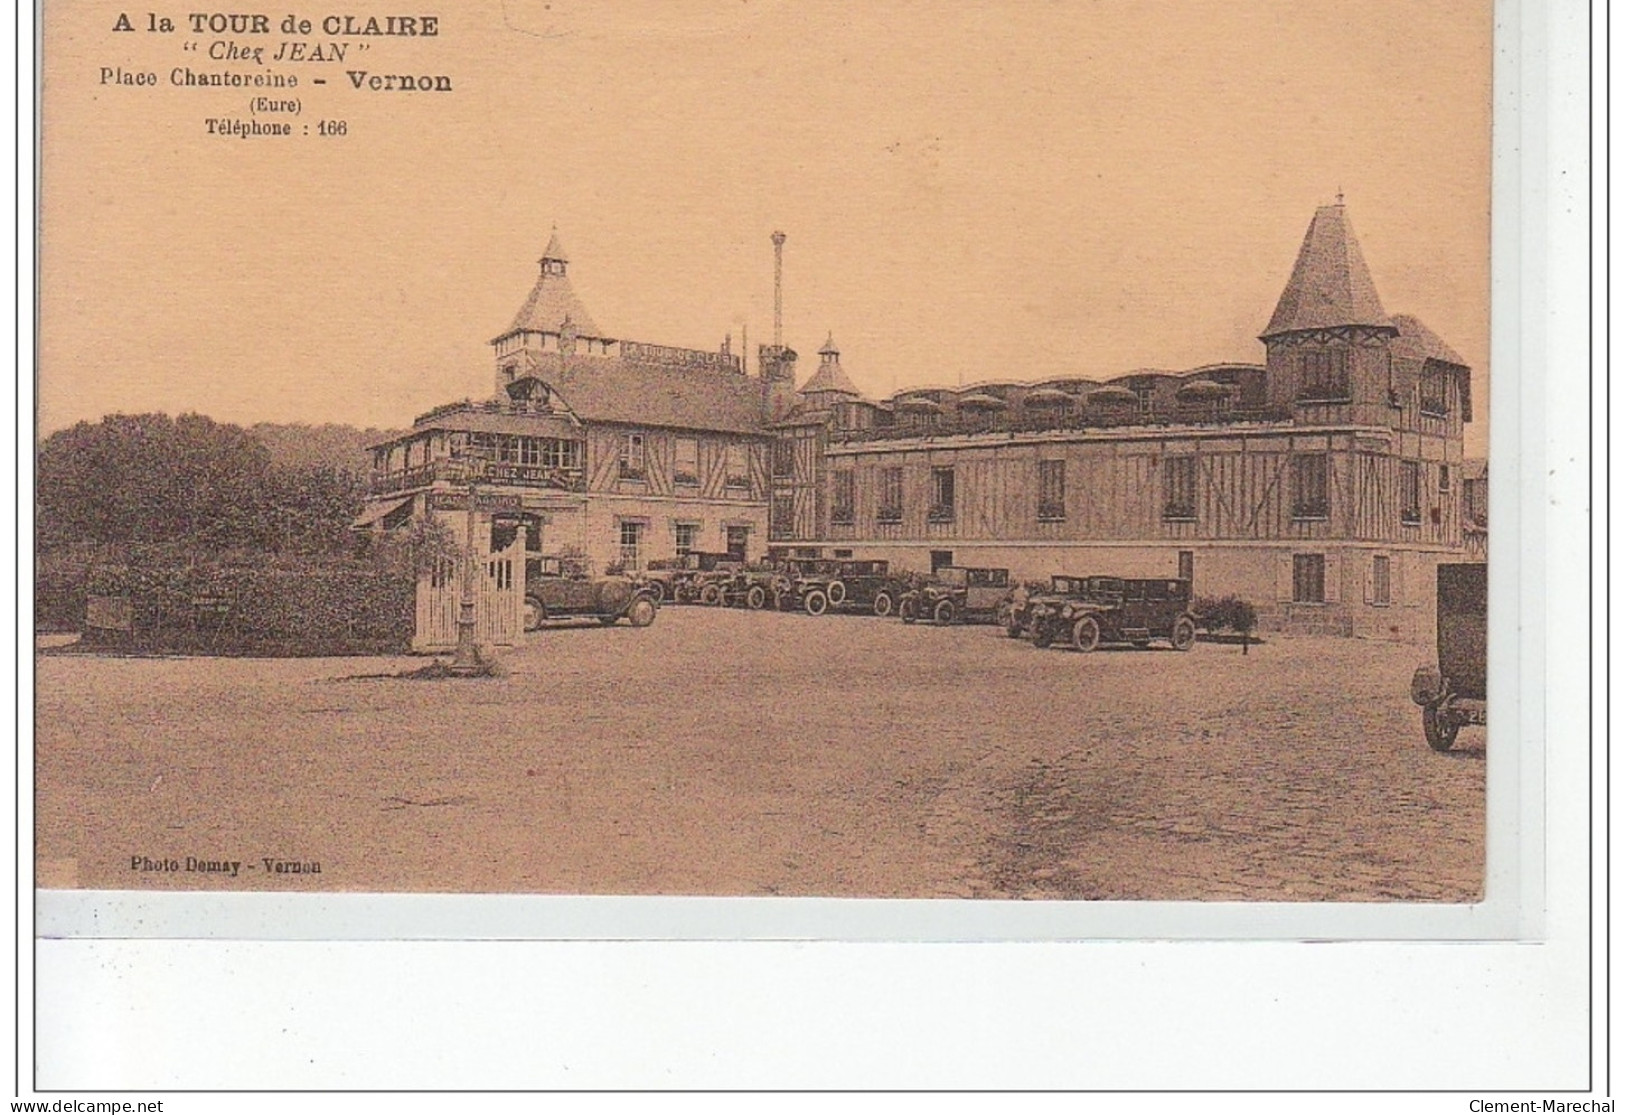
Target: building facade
[(1324, 485), (608, 450)]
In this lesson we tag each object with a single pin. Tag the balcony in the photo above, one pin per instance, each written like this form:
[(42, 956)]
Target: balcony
[(498, 474), (1048, 420)]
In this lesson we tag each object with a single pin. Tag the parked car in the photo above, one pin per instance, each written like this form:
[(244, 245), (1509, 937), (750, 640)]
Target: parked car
[(553, 591), (957, 594), (1121, 610), (750, 585), (674, 580), (1451, 690), (817, 585), (1027, 604)]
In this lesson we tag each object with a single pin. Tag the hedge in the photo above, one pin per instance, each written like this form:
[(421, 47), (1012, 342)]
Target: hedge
[(322, 609)]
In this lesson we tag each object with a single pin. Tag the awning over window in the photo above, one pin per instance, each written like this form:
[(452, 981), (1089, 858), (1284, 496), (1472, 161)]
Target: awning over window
[(379, 511)]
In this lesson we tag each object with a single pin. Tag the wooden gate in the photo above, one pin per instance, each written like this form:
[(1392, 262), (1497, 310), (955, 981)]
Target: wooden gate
[(499, 599)]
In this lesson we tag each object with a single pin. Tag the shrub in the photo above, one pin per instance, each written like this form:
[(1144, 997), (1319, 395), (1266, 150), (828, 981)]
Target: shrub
[(1224, 613)]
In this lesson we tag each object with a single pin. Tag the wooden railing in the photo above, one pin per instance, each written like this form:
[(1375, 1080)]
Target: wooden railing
[(1009, 424)]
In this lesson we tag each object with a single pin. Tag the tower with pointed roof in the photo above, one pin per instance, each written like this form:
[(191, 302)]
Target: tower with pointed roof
[(552, 320), (1327, 344), (829, 384)]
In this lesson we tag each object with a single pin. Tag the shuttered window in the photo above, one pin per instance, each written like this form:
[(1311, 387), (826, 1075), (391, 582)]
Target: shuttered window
[(1324, 375), (1382, 580), (1051, 491), (1410, 492), (1311, 498), (1308, 578), (942, 495), (891, 496), (841, 510), (1179, 488), (685, 465)]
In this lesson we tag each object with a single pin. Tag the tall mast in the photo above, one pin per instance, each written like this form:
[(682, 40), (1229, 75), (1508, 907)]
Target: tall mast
[(778, 290)]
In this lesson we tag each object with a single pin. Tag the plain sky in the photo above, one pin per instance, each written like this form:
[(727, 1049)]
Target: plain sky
[(972, 191)]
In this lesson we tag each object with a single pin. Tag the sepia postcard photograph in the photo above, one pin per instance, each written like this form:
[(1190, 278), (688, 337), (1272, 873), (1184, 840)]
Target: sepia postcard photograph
[(957, 451)]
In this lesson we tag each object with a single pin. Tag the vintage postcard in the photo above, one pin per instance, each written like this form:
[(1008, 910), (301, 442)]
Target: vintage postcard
[(962, 451)]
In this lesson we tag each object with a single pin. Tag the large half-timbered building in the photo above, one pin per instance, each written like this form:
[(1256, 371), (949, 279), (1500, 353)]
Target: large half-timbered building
[(1324, 484)]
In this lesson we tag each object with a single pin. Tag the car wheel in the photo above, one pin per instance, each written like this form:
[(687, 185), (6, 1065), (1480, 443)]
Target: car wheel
[(657, 592), (534, 613), (756, 598), (883, 604), (711, 595), (816, 603), (1086, 634), (1184, 635), (908, 611), (944, 612), (642, 612), (1440, 730), (1043, 635), (837, 593)]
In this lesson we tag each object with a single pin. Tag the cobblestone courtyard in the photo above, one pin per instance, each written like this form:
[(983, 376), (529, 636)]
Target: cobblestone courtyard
[(734, 753)]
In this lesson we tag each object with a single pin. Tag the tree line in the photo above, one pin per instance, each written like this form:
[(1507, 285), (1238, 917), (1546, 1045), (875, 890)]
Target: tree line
[(188, 480)]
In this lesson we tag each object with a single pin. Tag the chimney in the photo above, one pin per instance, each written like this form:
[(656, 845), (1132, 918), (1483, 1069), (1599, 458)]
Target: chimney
[(778, 290)]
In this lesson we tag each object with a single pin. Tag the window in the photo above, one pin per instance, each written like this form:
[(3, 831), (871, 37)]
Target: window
[(784, 457), (688, 538), (1309, 578), (738, 542), (632, 545), (1051, 491), (1179, 488), (782, 518), (942, 495), (685, 465), (941, 559), (1382, 583), (1431, 392), (1310, 484), (1187, 565), (841, 502), (1410, 492), (1444, 478), (1147, 401), (738, 466), (632, 457), (1324, 375), (1474, 499), (891, 496), (549, 452)]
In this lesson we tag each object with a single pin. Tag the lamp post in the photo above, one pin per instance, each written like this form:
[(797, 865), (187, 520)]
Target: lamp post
[(465, 659)]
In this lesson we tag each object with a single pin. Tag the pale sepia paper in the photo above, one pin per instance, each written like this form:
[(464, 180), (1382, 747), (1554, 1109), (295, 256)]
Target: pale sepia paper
[(971, 193)]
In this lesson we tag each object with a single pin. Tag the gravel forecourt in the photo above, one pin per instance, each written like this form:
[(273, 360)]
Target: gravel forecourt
[(741, 753)]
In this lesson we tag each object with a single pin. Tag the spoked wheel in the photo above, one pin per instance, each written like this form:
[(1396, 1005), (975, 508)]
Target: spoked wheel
[(1086, 634), (1184, 635), (642, 612), (816, 603), (837, 593), (711, 595), (944, 612), (1043, 635), (756, 598), (883, 604), (1439, 729), (534, 613)]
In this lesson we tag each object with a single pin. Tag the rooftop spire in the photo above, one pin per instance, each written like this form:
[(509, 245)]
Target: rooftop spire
[(553, 300), (829, 350), (1330, 285)]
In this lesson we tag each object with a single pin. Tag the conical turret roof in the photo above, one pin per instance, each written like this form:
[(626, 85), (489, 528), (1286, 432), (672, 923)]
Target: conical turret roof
[(830, 376), (553, 299), (1330, 285)]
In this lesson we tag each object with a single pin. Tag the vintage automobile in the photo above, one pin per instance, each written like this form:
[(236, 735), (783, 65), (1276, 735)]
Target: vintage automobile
[(555, 591), (957, 594), (675, 580), (1027, 603), (752, 585), (1120, 610), (1452, 691), (816, 585)]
